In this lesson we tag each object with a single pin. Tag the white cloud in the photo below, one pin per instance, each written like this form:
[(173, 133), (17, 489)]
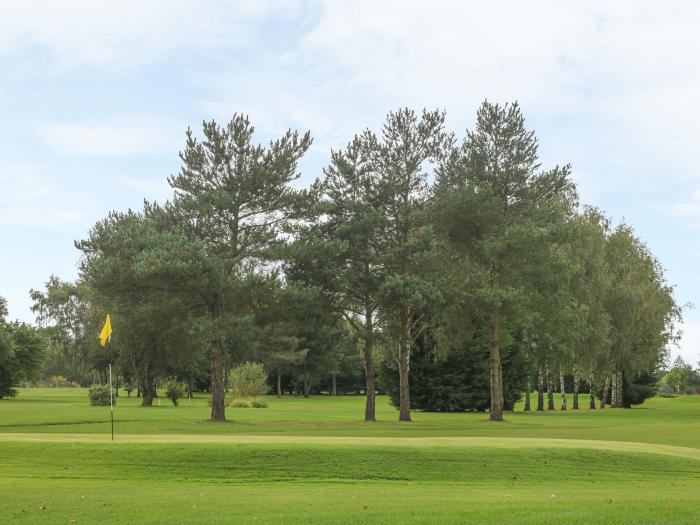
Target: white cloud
[(46, 198), (33, 196), (121, 136), (690, 207), (128, 33), (623, 68)]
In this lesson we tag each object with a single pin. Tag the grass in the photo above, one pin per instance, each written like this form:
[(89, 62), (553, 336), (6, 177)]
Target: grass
[(312, 461)]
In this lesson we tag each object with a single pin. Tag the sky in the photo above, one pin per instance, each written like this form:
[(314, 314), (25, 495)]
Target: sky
[(95, 99)]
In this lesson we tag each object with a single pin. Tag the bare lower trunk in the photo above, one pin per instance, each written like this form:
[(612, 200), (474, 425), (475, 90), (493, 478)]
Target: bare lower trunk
[(279, 382), (527, 395), (404, 362), (217, 382), (604, 398), (147, 386), (369, 373), (550, 389), (334, 390), (148, 391), (591, 389), (619, 402), (540, 389), (562, 387), (496, 413), (613, 393), (147, 398), (307, 386), (577, 380)]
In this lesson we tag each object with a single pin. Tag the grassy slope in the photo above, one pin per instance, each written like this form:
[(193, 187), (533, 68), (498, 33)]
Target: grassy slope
[(296, 478)]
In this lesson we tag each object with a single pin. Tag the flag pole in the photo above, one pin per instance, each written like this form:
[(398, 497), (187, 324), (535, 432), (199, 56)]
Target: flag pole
[(111, 404), (106, 340)]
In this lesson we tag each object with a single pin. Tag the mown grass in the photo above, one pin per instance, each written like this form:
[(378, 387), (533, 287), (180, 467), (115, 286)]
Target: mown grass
[(326, 479), (659, 420)]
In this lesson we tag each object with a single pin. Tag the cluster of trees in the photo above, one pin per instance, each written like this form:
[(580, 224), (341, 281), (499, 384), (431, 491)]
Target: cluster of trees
[(452, 274), (681, 379), (21, 352)]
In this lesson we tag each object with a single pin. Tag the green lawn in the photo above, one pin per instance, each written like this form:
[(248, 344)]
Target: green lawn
[(312, 461)]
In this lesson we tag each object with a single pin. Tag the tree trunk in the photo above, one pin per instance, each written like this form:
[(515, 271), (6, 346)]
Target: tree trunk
[(369, 373), (613, 393), (217, 382), (577, 380), (591, 389), (146, 385), (550, 388), (496, 413), (279, 382), (604, 398), (334, 390), (404, 362), (619, 384), (540, 389), (147, 398), (562, 388), (370, 389), (527, 395), (307, 386), (147, 390)]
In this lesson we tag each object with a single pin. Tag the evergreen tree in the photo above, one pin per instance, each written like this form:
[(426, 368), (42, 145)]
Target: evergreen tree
[(492, 192)]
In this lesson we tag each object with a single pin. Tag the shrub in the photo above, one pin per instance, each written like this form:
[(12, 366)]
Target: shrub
[(258, 402), (174, 391), (248, 380), (248, 402), (99, 395)]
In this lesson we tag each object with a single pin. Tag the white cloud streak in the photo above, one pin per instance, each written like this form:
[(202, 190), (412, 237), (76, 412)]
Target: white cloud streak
[(130, 33), (121, 136), (33, 196)]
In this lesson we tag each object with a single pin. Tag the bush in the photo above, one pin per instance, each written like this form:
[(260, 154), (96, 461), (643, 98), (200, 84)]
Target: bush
[(248, 380), (457, 381), (174, 391), (249, 402), (99, 395)]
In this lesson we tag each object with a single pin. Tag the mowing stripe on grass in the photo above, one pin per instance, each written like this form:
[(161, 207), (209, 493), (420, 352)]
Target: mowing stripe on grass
[(615, 446)]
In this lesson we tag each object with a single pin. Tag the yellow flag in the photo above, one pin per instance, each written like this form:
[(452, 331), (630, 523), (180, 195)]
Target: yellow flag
[(106, 332)]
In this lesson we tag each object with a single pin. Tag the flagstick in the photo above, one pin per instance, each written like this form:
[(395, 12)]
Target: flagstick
[(111, 405)]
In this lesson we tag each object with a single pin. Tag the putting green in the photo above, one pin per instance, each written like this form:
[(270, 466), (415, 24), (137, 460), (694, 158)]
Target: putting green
[(470, 442)]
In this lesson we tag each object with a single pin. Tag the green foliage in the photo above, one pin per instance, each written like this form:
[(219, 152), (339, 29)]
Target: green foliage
[(99, 395), (408, 235), (174, 390), (681, 379), (248, 380), (22, 350), (639, 389), (248, 402), (71, 317), (455, 381)]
